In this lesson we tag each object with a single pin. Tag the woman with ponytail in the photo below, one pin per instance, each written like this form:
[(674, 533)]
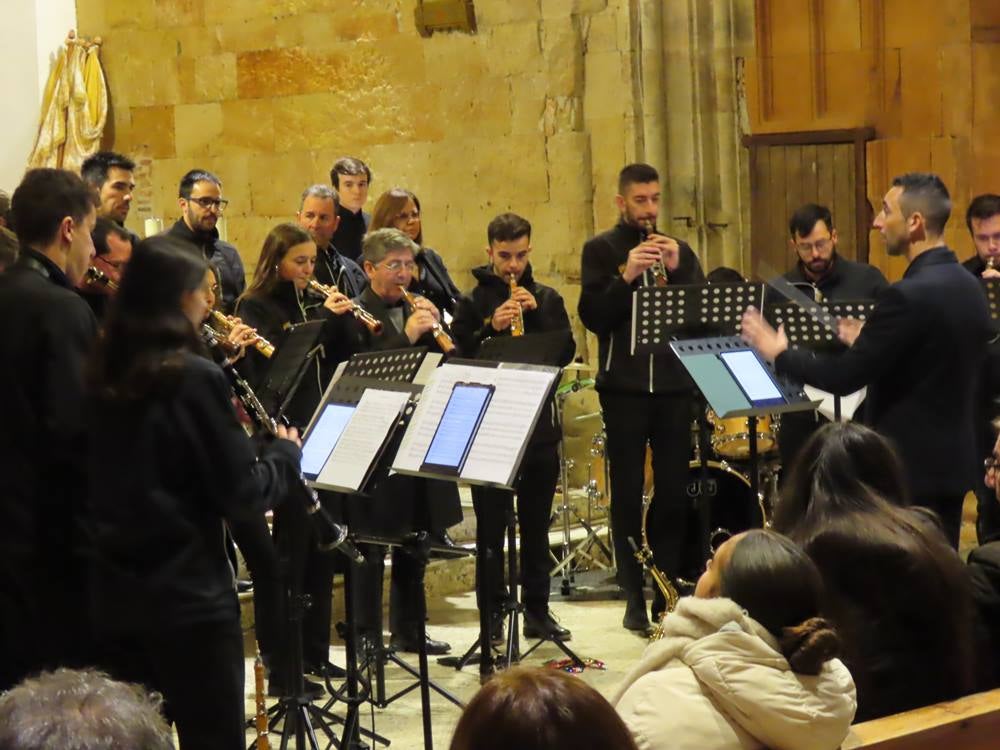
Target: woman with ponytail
[(747, 662)]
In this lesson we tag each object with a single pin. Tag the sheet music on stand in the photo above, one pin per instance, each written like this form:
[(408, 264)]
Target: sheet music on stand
[(992, 289), (816, 329), (359, 412), (660, 314), (490, 440)]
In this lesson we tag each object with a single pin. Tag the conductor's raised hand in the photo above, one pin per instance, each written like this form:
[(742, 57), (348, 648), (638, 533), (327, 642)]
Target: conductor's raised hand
[(757, 332)]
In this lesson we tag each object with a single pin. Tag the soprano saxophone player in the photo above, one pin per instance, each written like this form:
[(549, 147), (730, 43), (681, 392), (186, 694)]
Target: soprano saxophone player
[(646, 399)]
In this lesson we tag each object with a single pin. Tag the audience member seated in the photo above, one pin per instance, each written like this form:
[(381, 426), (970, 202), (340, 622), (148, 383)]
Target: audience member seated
[(525, 708), (896, 591), (81, 710), (747, 662)]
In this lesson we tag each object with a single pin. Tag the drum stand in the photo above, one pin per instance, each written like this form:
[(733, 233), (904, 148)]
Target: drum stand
[(568, 564)]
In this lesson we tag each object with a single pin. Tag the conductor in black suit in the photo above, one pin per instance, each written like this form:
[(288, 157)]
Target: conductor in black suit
[(920, 352)]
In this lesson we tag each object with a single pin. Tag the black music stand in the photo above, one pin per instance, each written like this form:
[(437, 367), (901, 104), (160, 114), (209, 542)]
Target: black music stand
[(288, 366), (390, 370), (815, 326), (532, 349)]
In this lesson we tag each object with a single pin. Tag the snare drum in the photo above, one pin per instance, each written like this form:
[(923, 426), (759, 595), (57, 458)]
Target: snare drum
[(731, 437)]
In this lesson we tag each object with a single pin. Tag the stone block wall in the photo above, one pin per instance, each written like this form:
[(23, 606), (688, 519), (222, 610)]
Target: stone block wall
[(534, 113)]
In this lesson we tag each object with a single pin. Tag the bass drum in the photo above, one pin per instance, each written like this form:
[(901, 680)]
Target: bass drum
[(731, 509)]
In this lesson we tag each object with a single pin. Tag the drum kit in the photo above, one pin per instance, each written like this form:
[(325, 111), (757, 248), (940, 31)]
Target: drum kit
[(723, 483)]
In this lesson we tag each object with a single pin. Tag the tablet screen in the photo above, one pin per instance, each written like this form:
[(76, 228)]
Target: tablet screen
[(753, 378), (324, 436), (458, 425)]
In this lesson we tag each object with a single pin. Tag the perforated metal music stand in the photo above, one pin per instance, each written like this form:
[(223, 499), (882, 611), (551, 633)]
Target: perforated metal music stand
[(662, 314)]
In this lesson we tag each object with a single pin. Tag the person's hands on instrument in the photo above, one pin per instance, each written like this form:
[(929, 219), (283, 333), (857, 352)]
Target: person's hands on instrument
[(504, 315), (420, 322), (757, 332), (670, 250), (848, 330), (422, 303), (288, 433), (338, 303), (240, 336), (991, 273), (526, 298)]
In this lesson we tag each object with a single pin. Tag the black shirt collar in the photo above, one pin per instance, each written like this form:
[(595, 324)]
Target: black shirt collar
[(43, 265)]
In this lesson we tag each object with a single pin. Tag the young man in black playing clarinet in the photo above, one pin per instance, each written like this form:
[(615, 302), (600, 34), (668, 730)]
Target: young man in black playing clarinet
[(508, 301)]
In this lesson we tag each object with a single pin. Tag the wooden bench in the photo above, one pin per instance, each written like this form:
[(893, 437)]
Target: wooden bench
[(969, 723)]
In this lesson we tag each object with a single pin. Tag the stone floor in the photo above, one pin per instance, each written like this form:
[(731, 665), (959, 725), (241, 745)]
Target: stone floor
[(597, 634)]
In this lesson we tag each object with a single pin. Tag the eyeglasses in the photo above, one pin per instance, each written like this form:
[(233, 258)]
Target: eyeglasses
[(115, 264), (395, 265), (991, 463), (407, 217), (988, 239), (819, 245), (218, 204)]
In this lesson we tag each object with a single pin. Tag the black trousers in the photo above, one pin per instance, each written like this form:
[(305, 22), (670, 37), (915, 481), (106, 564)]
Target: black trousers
[(198, 669), (254, 540), (535, 486), (663, 421), (407, 606)]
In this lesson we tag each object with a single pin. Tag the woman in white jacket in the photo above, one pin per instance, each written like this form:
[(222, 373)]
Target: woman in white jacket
[(744, 663)]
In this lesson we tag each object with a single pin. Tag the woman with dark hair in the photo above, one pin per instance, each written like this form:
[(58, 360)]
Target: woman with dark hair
[(278, 297), (896, 591), (400, 209), (539, 709), (747, 662), (163, 596)]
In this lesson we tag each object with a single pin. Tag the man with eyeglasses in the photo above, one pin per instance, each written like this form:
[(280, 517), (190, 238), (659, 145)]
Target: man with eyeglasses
[(201, 203), (399, 504), (113, 248), (825, 276), (982, 219)]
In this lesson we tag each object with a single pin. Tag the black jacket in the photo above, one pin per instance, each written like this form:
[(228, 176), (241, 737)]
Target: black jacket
[(391, 337), (989, 399), (434, 283), (46, 333), (920, 354), (334, 269), (350, 232), (160, 557), (846, 281), (225, 257), (606, 309), (272, 315), (472, 326)]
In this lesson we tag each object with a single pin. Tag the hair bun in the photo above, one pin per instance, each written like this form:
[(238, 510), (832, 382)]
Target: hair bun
[(809, 645)]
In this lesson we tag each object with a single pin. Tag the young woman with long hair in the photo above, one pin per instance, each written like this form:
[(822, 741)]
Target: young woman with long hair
[(163, 596)]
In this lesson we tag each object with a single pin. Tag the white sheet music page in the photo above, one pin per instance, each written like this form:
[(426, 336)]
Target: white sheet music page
[(507, 425), (361, 440)]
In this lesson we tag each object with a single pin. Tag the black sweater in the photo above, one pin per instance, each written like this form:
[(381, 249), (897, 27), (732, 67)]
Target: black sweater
[(472, 325), (606, 309), (187, 464)]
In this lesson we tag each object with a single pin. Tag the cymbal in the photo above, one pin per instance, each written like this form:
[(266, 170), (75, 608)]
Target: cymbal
[(579, 367)]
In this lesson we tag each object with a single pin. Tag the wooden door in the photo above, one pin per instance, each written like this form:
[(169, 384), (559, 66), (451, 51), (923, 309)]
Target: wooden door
[(788, 170)]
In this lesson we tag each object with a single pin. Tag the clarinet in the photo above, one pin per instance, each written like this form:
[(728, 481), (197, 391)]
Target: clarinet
[(647, 228)]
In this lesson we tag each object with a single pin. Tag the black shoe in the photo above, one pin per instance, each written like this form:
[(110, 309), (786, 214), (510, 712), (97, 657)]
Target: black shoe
[(543, 625), (411, 645), (324, 669), (313, 691), (635, 614), (443, 539)]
